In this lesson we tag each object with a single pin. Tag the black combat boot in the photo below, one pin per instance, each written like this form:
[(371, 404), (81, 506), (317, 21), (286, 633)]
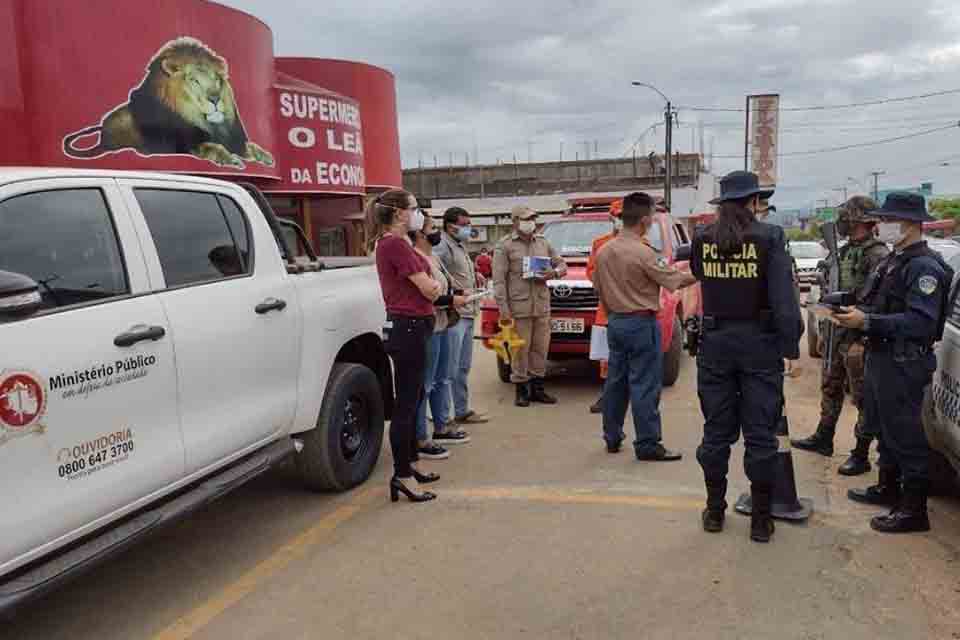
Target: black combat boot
[(761, 522), (714, 514), (886, 493), (820, 442), (538, 394), (858, 463), (523, 394), (909, 516)]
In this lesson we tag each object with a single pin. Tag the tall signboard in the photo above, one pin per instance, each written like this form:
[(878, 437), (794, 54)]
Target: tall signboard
[(763, 141)]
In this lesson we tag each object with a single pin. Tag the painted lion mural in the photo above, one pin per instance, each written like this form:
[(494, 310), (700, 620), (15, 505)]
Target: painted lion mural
[(185, 105)]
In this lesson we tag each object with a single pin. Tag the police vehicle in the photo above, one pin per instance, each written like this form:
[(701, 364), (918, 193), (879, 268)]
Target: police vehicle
[(941, 402), (162, 344)]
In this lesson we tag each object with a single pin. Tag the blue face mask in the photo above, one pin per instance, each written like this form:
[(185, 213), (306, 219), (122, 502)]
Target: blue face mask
[(464, 234)]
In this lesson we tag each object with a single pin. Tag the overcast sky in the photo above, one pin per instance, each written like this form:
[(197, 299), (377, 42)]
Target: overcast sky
[(535, 76)]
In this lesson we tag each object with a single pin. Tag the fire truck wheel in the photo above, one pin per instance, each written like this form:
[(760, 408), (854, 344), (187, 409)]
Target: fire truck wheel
[(504, 370), (671, 359)]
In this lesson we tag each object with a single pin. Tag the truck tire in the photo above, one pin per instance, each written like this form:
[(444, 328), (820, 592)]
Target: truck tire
[(342, 451), (671, 359), (503, 369), (813, 336)]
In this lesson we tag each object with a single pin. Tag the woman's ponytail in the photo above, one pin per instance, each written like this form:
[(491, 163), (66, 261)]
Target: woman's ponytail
[(380, 213)]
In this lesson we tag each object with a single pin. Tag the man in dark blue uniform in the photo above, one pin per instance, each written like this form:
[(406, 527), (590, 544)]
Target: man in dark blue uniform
[(903, 316), (751, 323)]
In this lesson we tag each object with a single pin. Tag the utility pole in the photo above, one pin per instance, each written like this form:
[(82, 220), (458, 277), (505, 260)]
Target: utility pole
[(668, 156), (844, 190), (876, 184)]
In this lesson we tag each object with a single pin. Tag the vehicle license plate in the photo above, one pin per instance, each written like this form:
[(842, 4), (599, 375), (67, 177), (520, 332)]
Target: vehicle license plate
[(567, 325)]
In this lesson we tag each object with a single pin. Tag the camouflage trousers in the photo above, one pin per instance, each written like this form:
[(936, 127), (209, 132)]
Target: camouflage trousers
[(846, 373)]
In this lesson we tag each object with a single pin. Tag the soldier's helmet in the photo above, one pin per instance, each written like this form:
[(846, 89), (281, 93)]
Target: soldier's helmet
[(857, 209)]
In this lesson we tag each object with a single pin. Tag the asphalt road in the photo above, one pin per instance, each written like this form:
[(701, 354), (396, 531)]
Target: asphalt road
[(538, 533)]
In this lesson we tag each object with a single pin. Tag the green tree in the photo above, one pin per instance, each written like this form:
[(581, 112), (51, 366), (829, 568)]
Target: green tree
[(945, 208), (798, 235)]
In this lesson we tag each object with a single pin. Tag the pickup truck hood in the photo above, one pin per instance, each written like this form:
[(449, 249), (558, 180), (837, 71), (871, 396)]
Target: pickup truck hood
[(576, 271)]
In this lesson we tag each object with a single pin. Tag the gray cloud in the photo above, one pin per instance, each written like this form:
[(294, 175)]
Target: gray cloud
[(509, 75)]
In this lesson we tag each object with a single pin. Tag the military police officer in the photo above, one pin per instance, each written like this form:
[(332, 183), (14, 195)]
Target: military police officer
[(903, 317), (751, 322), (522, 265), (856, 260)]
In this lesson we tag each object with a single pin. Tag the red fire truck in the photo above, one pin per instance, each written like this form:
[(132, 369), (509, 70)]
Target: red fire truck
[(573, 301)]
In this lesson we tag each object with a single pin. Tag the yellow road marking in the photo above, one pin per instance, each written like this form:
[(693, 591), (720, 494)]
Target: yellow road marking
[(191, 623), (197, 619), (556, 497)]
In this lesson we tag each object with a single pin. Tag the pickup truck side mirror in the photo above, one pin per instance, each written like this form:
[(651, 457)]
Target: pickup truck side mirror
[(19, 296), (683, 253)]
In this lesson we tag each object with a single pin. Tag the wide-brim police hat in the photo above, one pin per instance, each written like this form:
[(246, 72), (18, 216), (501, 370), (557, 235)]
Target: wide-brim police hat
[(738, 185), (901, 205)]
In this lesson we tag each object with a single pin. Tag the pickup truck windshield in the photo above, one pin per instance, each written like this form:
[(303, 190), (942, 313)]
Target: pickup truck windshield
[(574, 237)]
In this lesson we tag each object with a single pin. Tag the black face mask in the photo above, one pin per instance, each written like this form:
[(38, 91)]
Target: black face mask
[(434, 238)]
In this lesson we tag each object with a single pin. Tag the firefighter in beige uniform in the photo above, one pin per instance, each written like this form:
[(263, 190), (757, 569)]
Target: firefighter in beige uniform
[(527, 302)]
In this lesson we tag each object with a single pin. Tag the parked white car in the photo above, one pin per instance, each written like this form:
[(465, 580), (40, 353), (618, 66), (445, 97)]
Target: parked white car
[(807, 256), (161, 345)]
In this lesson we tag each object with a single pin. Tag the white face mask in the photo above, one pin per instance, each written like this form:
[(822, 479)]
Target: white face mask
[(527, 227), (416, 220), (890, 232)]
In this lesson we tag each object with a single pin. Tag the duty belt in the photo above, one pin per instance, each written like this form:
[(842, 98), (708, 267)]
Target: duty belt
[(905, 347), (713, 323)]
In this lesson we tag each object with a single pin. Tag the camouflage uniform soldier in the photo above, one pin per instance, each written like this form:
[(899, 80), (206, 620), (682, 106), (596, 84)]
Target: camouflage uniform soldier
[(857, 260)]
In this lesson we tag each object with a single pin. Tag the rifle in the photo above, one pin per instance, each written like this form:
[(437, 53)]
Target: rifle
[(832, 286)]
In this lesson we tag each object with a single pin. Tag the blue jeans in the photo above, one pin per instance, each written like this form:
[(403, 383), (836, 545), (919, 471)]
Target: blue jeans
[(635, 377), (461, 359), (436, 385)]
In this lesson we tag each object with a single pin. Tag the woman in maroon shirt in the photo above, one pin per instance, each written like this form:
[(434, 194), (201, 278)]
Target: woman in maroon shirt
[(408, 292)]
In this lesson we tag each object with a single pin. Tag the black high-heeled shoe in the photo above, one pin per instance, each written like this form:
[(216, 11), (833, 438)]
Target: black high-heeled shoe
[(397, 487), (425, 478)]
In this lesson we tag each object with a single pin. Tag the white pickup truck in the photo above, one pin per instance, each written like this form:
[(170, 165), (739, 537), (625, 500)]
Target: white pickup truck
[(161, 343)]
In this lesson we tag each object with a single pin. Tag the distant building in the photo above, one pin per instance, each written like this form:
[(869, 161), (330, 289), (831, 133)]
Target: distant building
[(490, 217)]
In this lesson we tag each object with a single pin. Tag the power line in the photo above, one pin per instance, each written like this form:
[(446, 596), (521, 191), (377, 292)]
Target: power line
[(834, 106), (811, 152)]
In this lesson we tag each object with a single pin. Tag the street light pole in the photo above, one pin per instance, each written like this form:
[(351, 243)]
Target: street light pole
[(668, 143), (876, 184), (668, 182)]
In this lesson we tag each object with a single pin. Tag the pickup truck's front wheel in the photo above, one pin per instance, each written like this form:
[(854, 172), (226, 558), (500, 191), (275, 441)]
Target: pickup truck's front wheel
[(343, 450), (671, 359)]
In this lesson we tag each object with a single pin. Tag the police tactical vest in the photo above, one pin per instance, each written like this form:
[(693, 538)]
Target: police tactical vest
[(735, 287), (888, 292)]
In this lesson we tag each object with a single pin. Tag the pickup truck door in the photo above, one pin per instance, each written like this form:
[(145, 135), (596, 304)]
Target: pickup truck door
[(88, 398), (233, 311)]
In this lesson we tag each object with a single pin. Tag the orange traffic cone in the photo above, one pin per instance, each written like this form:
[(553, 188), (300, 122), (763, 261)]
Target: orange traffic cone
[(785, 505)]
